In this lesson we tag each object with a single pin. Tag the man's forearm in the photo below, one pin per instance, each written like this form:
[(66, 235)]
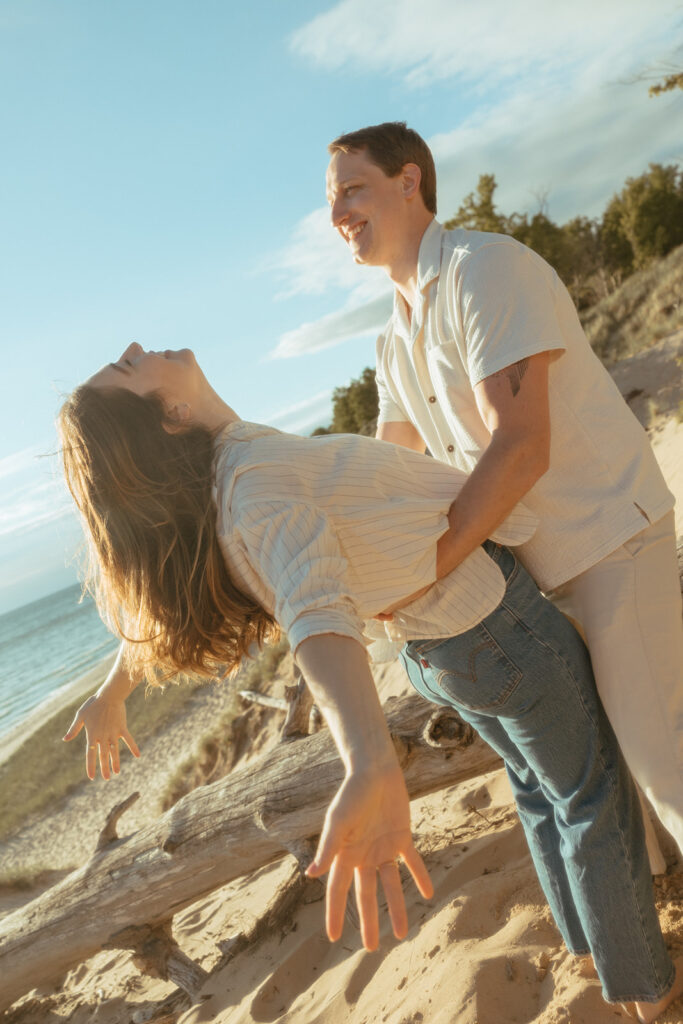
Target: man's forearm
[(505, 473)]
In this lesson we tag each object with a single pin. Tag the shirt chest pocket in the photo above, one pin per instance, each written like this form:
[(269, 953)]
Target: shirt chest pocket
[(447, 373), (451, 389)]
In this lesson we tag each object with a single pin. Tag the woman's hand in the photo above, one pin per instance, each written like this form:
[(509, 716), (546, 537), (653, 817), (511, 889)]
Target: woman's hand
[(367, 829), (367, 825), (104, 718)]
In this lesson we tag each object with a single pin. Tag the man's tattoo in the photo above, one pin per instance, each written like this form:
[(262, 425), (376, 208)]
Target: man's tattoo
[(514, 374)]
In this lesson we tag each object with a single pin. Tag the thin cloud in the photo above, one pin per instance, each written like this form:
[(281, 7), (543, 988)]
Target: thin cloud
[(482, 43), (304, 416), (34, 505), (38, 562), (335, 328), (576, 143), (20, 461), (299, 408), (33, 492), (317, 260), (580, 149)]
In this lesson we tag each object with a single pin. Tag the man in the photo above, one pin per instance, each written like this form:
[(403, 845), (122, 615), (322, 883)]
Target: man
[(485, 363)]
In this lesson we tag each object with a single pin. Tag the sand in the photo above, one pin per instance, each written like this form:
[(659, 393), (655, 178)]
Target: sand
[(484, 950)]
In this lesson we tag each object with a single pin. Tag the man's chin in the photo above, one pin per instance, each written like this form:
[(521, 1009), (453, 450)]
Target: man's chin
[(360, 257)]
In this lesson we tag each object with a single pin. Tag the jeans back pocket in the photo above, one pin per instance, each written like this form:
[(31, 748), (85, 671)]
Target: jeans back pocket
[(471, 670)]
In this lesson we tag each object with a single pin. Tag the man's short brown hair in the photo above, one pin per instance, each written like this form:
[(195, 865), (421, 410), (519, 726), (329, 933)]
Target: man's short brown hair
[(392, 145)]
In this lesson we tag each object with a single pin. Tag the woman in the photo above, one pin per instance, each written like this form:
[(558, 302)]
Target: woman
[(206, 531)]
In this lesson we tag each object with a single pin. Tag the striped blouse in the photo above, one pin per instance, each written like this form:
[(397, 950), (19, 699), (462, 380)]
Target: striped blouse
[(326, 532)]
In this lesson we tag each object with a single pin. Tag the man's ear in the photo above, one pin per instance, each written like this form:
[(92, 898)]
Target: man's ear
[(177, 418), (411, 176)]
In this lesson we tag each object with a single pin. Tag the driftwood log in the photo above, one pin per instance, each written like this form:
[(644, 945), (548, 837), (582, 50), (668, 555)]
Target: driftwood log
[(216, 833), (303, 717)]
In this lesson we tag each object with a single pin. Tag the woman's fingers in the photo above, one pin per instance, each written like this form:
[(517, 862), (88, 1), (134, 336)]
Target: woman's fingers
[(365, 878), (328, 848), (104, 760), (393, 890), (366, 830), (91, 760), (366, 899), (105, 724), (416, 866), (130, 743), (114, 757), (74, 728), (108, 753), (338, 885)]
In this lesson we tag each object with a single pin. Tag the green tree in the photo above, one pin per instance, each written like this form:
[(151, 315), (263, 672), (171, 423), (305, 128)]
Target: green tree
[(547, 239), (477, 211), (645, 220), (642, 222), (671, 82), (354, 407), (573, 250)]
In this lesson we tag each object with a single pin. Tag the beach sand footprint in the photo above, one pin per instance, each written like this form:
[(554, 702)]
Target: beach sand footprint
[(295, 975)]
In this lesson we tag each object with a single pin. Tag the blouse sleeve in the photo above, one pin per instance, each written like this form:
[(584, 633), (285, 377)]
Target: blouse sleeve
[(294, 550)]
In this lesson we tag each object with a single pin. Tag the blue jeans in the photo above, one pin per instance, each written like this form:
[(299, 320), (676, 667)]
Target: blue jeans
[(522, 678)]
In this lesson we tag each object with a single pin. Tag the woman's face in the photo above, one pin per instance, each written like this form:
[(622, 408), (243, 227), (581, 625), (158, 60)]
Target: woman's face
[(174, 374)]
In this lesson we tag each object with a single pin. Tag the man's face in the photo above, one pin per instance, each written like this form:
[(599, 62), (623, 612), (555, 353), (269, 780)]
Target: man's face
[(366, 208)]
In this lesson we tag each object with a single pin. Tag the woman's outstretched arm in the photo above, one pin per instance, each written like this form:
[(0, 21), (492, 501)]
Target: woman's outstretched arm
[(103, 715), (367, 825)]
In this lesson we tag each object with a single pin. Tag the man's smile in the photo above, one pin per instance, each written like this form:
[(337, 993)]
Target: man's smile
[(352, 233)]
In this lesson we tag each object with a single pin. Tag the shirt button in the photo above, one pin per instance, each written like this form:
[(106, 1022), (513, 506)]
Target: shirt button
[(450, 448), (432, 398), (424, 662)]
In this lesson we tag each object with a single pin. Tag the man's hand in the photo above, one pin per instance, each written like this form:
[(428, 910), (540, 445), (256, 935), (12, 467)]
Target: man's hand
[(403, 434), (104, 720), (367, 829), (388, 613)]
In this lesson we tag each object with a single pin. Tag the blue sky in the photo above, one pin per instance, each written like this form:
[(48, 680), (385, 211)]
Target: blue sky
[(162, 181)]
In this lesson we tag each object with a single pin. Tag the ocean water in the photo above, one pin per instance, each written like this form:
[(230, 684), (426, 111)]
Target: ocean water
[(47, 645)]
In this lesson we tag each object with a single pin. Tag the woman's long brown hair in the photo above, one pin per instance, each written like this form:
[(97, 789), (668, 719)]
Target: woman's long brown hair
[(155, 568)]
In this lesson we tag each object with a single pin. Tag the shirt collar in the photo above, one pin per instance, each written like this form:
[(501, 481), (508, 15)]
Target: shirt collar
[(428, 269), (429, 255), (243, 430)]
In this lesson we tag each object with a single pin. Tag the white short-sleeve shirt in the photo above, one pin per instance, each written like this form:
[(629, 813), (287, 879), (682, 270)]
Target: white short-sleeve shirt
[(326, 532), (486, 301)]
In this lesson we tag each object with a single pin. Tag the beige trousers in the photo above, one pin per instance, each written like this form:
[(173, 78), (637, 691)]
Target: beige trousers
[(629, 609)]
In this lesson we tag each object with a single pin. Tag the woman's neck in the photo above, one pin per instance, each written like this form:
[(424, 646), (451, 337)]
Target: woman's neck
[(212, 412)]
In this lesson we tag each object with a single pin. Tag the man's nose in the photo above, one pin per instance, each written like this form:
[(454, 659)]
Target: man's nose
[(337, 213)]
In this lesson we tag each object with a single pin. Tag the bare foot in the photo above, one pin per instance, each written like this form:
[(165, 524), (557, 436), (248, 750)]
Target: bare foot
[(647, 1013)]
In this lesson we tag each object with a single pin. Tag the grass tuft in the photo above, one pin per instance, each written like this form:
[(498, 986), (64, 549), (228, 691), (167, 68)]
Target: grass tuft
[(45, 770), (23, 880), (647, 307), (219, 749)]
